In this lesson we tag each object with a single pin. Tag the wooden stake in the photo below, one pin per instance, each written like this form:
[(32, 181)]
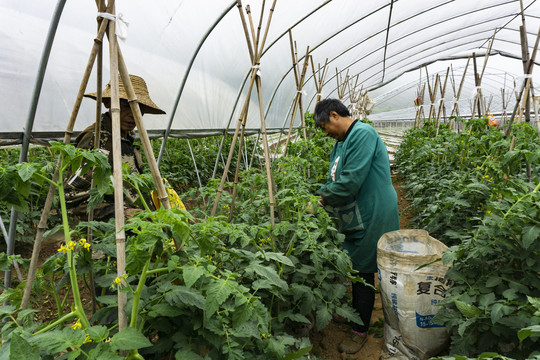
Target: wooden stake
[(441, 103), (258, 48), (67, 139), (455, 108), (319, 82), (299, 79), (433, 96), (143, 134), (520, 94), (117, 176)]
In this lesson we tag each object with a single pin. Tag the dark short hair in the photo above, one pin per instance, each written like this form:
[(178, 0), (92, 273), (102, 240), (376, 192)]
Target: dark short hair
[(323, 108)]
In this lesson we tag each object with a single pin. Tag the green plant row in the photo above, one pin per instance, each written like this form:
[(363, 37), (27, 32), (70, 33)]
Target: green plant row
[(478, 192), (228, 286)]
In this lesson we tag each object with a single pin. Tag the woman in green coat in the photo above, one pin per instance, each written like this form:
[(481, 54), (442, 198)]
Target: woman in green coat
[(360, 193)]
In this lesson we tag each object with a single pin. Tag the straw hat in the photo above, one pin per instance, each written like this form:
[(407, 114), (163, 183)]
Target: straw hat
[(141, 91)]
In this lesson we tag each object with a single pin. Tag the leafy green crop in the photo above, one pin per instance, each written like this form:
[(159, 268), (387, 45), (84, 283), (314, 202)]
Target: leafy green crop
[(478, 192), (199, 286)]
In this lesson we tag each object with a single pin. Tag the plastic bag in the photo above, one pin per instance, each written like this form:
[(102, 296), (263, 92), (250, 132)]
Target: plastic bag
[(410, 292)]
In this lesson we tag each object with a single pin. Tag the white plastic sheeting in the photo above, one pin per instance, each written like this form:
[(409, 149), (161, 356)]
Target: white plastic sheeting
[(378, 41)]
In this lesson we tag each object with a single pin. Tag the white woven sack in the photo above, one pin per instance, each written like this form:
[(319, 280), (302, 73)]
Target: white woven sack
[(410, 295)]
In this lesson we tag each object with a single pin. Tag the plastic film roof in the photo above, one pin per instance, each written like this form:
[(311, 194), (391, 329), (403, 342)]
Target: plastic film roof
[(193, 54)]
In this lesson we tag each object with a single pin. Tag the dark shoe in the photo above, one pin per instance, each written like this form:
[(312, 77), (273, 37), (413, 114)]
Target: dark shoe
[(352, 344)]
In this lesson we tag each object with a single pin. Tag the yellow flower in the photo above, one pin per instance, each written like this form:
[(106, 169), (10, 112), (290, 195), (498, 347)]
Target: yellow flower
[(77, 325), (87, 246), (118, 280), (71, 245), (62, 248), (108, 339), (87, 339), (263, 335), (284, 173)]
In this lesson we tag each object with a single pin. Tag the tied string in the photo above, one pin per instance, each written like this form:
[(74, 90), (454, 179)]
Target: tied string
[(257, 69), (121, 23)]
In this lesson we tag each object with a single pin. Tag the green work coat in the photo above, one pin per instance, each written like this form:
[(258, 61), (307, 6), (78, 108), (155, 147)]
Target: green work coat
[(360, 193)]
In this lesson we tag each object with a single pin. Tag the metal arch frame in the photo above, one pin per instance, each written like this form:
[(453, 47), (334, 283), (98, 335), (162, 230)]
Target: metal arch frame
[(386, 43), (186, 74), (30, 122), (423, 64)]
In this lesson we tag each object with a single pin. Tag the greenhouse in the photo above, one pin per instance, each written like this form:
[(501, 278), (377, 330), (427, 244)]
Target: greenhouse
[(321, 179)]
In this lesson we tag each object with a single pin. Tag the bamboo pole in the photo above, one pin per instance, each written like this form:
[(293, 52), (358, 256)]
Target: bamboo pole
[(455, 108), (143, 134), (524, 55), (433, 96), (299, 76), (67, 139), (441, 103), (504, 104), (244, 110), (256, 53), (478, 96), (525, 58), (420, 108), (97, 136), (319, 82), (117, 175), (341, 83), (520, 94)]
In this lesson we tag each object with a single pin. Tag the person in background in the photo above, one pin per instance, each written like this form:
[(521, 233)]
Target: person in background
[(360, 194), (78, 187)]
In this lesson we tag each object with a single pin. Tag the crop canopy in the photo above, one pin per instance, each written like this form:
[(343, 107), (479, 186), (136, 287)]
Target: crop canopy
[(194, 57)]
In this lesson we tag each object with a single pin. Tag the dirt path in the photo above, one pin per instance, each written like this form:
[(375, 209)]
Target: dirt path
[(325, 343)]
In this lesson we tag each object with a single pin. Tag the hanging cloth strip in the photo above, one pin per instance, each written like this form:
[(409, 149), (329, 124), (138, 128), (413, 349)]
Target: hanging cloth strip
[(121, 23)]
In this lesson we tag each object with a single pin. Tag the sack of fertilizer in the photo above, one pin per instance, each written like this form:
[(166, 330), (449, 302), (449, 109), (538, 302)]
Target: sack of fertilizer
[(410, 292)]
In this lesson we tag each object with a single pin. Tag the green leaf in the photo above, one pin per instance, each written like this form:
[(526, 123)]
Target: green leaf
[(129, 339), (534, 302), (323, 317), (467, 310), (298, 354), (486, 300), (185, 354), (74, 354), (242, 314), (59, 340), (349, 313), (21, 349), (299, 318), (510, 294), (181, 295), (217, 293), (528, 331), (267, 273), (191, 274), (246, 330), (493, 281), (530, 235), (7, 309), (97, 333), (27, 170), (277, 257), (166, 310), (496, 313)]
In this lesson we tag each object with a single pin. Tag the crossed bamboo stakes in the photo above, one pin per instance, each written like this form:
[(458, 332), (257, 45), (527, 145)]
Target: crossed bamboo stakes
[(255, 46), (117, 65)]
